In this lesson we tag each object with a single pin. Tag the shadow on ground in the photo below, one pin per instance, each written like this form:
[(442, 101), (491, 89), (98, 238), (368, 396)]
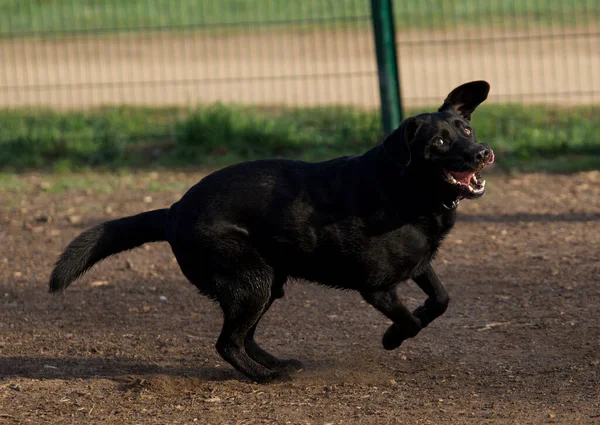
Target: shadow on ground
[(527, 218), (77, 368)]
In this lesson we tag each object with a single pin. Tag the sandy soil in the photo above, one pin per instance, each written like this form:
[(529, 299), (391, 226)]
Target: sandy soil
[(133, 343), (301, 68)]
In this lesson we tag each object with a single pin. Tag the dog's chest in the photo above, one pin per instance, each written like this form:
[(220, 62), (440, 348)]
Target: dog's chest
[(403, 253), (351, 256)]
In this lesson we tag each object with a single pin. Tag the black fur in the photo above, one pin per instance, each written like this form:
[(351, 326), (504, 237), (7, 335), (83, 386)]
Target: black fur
[(364, 223), (104, 240)]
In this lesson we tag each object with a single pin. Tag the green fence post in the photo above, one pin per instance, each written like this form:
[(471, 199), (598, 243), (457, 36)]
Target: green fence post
[(387, 65)]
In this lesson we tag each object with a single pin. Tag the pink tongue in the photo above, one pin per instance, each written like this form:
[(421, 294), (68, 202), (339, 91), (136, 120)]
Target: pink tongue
[(464, 178), (491, 157)]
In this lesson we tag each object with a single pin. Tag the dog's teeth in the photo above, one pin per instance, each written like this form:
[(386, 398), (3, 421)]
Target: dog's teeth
[(481, 188)]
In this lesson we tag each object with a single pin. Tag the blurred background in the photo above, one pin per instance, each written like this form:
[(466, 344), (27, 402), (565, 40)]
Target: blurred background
[(138, 83)]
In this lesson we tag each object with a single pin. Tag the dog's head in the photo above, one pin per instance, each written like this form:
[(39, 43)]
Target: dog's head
[(443, 144)]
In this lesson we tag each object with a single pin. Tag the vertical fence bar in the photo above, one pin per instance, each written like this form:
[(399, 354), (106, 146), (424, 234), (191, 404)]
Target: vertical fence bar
[(387, 64)]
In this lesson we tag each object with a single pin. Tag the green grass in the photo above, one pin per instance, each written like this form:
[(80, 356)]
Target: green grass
[(89, 180), (523, 137), (37, 16)]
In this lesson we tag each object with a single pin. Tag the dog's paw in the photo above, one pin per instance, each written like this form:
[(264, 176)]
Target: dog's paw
[(422, 313), (274, 377), (291, 365), (393, 338)]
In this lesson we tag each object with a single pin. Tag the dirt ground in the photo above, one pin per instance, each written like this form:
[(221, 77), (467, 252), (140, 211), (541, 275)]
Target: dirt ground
[(133, 343), (299, 68)]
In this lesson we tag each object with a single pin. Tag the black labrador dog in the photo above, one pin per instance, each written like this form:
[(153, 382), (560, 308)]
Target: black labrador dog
[(364, 223)]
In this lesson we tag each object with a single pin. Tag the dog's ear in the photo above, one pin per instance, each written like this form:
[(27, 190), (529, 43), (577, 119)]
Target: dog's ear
[(397, 144), (465, 98)]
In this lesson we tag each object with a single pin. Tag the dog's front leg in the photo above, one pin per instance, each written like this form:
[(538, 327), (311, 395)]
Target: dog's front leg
[(406, 324), (438, 300)]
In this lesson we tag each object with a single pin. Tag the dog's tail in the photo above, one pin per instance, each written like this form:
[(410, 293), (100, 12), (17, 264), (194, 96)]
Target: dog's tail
[(104, 240)]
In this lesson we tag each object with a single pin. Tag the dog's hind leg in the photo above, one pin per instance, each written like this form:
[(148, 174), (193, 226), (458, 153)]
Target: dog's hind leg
[(406, 324), (438, 300), (243, 301), (262, 356)]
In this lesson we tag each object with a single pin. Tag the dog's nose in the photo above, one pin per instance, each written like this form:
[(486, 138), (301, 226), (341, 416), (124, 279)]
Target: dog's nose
[(483, 156)]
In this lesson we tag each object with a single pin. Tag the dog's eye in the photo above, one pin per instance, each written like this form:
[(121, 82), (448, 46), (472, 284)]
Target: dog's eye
[(439, 143), (468, 131)]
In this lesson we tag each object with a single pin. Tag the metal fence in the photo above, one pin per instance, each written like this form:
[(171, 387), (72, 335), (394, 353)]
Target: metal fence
[(84, 53)]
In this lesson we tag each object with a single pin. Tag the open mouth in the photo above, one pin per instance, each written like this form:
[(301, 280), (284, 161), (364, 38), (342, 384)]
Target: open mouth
[(469, 183)]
